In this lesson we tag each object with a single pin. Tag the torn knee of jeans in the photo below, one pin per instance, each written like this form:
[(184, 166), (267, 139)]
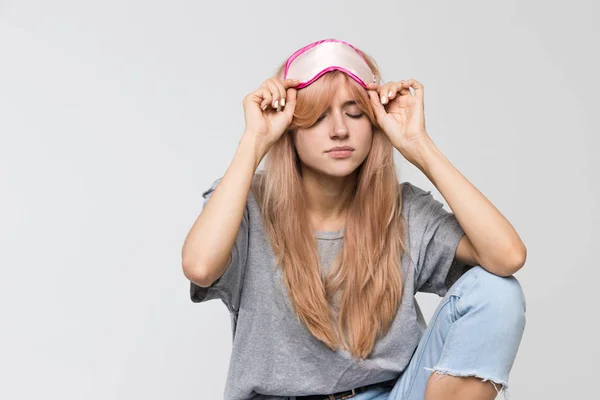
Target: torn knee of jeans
[(494, 382)]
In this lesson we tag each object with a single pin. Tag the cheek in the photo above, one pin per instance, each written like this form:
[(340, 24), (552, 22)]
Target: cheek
[(367, 135), (308, 140), (306, 145)]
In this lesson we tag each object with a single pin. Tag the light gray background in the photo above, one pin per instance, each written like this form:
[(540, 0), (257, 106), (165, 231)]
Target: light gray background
[(116, 115)]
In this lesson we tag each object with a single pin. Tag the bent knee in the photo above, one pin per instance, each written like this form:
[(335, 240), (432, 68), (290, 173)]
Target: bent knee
[(503, 292)]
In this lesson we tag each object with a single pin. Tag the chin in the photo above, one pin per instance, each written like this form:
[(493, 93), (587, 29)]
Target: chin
[(340, 171), (337, 168)]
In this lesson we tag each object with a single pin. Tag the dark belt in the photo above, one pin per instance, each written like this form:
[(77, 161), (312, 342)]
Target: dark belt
[(346, 394)]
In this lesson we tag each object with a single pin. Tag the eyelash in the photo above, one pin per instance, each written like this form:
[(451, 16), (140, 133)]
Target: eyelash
[(350, 115)]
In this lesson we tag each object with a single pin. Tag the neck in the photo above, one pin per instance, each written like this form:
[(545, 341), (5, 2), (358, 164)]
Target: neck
[(328, 198)]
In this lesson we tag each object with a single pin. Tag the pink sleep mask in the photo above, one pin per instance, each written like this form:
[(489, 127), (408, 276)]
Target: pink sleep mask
[(310, 62)]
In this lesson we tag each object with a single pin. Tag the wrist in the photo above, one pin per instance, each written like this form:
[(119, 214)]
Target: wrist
[(424, 153), (251, 145)]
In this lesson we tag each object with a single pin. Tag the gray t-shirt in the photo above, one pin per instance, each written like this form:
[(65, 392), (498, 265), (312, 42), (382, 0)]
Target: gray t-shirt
[(275, 356)]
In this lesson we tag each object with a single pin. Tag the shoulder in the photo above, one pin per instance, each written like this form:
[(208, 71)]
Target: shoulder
[(211, 188), (410, 190), (256, 181), (252, 205), (413, 194), (418, 203)]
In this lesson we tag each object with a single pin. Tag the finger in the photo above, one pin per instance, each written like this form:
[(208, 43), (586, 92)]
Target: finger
[(378, 108), (395, 89), (418, 88), (404, 88), (372, 86), (392, 92), (256, 97), (291, 103), (282, 92), (274, 93), (288, 83), (384, 92), (267, 98)]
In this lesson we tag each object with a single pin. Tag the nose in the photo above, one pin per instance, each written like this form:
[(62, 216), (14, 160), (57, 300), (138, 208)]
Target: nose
[(339, 128)]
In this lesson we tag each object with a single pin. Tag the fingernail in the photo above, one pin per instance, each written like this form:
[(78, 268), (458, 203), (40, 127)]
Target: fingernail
[(264, 107), (282, 102), (390, 93), (383, 100), (276, 104)]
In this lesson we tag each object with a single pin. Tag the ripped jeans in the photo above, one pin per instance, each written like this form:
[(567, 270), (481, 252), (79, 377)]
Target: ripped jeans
[(475, 331)]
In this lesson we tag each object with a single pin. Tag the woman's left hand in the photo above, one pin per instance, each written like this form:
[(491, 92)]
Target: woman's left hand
[(400, 114)]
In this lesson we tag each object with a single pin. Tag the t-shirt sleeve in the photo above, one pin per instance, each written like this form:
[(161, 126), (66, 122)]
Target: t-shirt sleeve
[(228, 286), (435, 234)]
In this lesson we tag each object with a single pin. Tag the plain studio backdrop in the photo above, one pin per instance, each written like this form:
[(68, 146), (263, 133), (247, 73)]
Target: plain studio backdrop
[(116, 115)]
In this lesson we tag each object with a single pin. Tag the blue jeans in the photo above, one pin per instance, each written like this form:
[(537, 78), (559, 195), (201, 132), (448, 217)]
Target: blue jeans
[(475, 331)]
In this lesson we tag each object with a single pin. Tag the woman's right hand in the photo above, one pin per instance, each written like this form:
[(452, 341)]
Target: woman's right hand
[(269, 110)]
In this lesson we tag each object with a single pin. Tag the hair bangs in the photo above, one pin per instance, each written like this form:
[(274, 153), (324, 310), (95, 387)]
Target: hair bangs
[(313, 100)]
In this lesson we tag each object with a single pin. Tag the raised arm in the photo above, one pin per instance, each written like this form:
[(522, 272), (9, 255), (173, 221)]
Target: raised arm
[(207, 247)]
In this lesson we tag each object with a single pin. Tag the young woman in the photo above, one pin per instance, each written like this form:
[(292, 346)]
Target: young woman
[(318, 257)]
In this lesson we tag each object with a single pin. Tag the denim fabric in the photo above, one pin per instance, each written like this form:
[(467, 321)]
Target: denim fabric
[(475, 331)]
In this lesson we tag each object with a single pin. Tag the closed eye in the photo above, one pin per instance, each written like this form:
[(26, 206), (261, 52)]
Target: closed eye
[(350, 115)]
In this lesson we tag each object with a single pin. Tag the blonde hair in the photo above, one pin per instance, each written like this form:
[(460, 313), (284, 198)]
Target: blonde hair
[(366, 274)]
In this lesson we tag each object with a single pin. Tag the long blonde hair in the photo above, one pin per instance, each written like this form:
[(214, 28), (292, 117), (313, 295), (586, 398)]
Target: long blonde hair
[(366, 275)]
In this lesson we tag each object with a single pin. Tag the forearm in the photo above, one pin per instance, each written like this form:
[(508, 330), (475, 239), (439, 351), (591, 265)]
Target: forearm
[(494, 239), (206, 250)]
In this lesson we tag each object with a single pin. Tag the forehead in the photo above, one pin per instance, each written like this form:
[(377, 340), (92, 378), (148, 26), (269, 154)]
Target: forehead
[(341, 91)]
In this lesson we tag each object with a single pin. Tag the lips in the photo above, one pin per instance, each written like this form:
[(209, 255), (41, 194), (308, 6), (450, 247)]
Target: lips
[(340, 148)]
